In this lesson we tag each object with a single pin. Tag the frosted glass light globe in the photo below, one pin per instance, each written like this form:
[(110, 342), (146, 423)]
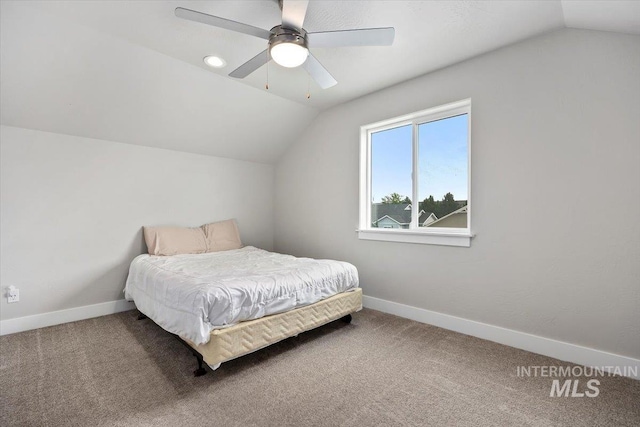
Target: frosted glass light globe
[(289, 55)]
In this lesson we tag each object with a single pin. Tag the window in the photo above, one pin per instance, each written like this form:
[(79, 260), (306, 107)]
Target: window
[(415, 177)]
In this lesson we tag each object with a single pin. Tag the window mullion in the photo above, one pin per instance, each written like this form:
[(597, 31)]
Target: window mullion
[(415, 204)]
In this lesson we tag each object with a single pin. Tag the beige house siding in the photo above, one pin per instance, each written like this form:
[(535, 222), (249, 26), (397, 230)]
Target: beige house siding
[(456, 220)]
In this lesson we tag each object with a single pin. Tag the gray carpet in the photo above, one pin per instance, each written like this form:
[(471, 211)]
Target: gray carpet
[(380, 370)]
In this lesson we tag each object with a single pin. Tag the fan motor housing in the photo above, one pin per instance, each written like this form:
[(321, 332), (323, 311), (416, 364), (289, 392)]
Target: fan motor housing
[(280, 34)]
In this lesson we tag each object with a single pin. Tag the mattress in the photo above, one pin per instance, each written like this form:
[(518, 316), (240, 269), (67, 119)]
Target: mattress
[(192, 295), (246, 337)]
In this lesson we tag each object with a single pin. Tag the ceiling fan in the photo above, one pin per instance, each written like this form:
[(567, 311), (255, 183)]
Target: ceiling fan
[(288, 44)]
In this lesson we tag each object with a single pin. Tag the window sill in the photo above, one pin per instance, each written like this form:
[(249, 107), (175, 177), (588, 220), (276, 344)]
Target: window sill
[(462, 239)]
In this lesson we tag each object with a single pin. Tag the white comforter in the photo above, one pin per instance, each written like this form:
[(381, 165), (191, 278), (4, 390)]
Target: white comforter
[(190, 295)]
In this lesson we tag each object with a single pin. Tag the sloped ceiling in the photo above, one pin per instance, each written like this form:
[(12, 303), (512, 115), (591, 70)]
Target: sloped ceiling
[(603, 15), (60, 77), (133, 72)]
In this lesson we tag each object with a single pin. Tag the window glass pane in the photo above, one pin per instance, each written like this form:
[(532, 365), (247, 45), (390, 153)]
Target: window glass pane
[(443, 170), (391, 186)]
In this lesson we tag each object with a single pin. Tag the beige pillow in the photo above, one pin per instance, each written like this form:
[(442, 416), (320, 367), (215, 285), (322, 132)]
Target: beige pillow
[(175, 240), (222, 235)]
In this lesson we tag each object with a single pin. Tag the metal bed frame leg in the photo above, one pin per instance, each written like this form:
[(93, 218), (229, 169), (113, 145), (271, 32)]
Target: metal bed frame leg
[(201, 370), (346, 319)]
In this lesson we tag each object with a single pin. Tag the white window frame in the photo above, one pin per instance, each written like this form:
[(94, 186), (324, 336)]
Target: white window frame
[(423, 235)]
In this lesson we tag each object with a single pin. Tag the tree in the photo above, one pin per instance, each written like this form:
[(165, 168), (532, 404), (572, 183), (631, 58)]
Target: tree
[(395, 198), (429, 205), (440, 208), (448, 204)]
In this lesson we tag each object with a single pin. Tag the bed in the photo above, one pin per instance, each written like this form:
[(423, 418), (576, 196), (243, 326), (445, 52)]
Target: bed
[(228, 303)]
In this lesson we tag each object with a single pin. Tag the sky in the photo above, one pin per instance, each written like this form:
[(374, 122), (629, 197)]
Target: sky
[(442, 165)]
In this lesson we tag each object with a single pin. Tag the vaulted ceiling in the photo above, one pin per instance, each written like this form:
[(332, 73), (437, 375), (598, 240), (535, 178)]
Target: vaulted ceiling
[(132, 72)]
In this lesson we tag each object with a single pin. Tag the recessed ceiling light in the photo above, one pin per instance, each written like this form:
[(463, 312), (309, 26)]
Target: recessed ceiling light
[(214, 61)]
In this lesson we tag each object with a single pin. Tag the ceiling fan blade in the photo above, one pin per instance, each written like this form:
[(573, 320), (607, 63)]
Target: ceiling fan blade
[(318, 73), (361, 37), (251, 65), (227, 24), (293, 12)]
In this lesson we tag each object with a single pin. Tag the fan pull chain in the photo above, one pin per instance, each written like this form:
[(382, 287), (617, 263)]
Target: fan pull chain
[(308, 86), (266, 86)]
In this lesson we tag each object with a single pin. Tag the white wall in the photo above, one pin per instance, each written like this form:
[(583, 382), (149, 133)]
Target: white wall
[(72, 211), (555, 184)]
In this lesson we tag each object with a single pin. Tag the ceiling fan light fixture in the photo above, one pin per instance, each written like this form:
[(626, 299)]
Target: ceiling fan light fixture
[(288, 44), (288, 47), (214, 61)]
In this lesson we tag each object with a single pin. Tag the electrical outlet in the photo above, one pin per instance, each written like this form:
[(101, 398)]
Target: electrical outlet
[(13, 294)]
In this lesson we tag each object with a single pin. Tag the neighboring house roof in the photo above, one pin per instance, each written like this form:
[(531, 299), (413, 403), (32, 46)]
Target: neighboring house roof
[(387, 216), (428, 220), (398, 212), (456, 219)]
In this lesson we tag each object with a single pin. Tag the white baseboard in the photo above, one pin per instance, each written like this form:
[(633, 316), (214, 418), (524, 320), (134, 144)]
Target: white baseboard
[(548, 347), (19, 324)]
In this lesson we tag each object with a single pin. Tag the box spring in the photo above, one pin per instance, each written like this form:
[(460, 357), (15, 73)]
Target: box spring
[(246, 337)]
